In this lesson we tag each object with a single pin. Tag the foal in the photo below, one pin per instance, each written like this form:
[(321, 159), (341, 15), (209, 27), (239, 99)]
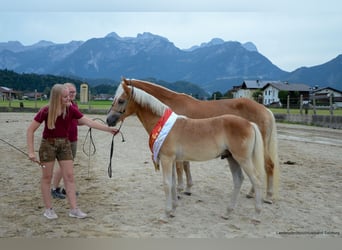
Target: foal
[(176, 138)]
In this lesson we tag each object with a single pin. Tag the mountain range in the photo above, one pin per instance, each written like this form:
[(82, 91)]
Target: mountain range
[(214, 66)]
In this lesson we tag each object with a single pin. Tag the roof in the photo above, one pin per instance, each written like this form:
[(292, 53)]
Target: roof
[(256, 84), (8, 90), (252, 84), (327, 88), (5, 89), (289, 87)]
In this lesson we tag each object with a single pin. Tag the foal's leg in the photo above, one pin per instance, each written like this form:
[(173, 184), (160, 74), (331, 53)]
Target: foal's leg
[(167, 166), (179, 169), (256, 180), (173, 190), (237, 179), (186, 166), (250, 193)]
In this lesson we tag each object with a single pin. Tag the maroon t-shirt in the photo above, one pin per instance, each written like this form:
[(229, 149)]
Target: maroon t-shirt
[(62, 126), (73, 131)]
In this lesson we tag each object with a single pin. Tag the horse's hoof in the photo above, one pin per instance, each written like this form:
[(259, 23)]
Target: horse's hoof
[(225, 216), (249, 196), (268, 201), (163, 219), (255, 221)]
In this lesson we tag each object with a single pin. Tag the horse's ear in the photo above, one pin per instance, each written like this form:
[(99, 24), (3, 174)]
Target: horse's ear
[(125, 87), (124, 80)]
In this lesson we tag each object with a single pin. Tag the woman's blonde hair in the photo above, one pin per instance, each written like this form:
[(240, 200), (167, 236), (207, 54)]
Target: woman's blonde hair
[(55, 105), (69, 84)]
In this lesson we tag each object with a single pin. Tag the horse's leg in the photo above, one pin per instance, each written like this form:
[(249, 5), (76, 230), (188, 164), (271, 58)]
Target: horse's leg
[(269, 166), (269, 172), (186, 166), (179, 169), (237, 179), (167, 182), (173, 190), (250, 193), (256, 180)]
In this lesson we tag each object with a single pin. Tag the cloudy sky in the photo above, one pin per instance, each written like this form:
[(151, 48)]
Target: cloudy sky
[(290, 33)]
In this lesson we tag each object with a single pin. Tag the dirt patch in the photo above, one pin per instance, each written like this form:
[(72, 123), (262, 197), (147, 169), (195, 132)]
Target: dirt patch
[(130, 203)]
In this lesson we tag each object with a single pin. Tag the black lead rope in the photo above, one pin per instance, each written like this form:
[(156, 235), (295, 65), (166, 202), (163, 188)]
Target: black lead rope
[(112, 150), (92, 145), (123, 139), (110, 158)]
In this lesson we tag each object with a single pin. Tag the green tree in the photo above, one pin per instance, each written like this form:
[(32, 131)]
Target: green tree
[(216, 96), (228, 94), (257, 96), (282, 95)]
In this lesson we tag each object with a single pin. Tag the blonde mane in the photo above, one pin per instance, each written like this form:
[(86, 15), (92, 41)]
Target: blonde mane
[(144, 99)]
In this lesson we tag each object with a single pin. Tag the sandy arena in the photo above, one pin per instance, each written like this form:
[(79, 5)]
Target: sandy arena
[(129, 204)]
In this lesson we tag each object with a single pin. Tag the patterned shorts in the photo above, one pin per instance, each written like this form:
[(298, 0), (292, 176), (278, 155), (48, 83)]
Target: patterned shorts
[(55, 148), (73, 148)]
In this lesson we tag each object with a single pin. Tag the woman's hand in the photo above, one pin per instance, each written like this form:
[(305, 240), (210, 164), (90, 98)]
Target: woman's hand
[(113, 130), (32, 157)]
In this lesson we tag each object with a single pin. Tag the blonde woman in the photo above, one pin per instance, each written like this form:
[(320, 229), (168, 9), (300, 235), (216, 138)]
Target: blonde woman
[(56, 191), (57, 117)]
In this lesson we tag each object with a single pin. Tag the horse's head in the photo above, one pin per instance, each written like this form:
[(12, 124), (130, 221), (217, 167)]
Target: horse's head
[(120, 107)]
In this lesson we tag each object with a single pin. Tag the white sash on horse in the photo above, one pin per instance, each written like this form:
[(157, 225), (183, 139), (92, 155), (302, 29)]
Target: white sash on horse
[(162, 136)]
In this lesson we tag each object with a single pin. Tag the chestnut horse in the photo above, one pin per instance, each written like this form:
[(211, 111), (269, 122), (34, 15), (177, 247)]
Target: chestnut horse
[(178, 138), (186, 105)]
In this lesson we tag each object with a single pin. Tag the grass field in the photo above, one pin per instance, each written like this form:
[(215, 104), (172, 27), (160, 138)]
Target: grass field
[(38, 104), (105, 105)]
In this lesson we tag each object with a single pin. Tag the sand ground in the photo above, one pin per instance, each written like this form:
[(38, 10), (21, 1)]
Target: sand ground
[(129, 204)]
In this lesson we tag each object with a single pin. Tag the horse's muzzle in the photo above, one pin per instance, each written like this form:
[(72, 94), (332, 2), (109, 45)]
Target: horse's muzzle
[(112, 119)]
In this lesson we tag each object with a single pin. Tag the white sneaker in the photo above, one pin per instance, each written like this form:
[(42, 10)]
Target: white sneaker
[(50, 214), (77, 213)]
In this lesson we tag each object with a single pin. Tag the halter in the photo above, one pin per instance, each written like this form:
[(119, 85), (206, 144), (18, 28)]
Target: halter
[(129, 99)]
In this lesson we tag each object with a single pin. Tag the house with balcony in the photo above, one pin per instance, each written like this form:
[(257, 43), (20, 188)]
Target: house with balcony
[(271, 91)]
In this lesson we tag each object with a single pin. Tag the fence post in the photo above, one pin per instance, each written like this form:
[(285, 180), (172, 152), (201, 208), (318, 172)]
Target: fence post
[(10, 99), (89, 98), (288, 104), (35, 98), (301, 104), (314, 103), (331, 104)]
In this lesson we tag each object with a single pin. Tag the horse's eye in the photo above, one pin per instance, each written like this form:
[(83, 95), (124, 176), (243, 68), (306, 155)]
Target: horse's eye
[(121, 102)]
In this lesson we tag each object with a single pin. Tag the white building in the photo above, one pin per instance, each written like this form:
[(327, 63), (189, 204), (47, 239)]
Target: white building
[(323, 94), (247, 88), (271, 91)]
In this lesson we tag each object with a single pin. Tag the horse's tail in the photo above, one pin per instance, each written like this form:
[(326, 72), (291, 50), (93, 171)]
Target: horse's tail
[(258, 154), (273, 153)]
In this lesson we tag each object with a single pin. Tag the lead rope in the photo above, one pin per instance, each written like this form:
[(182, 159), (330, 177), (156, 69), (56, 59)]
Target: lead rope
[(112, 150), (123, 139), (92, 147)]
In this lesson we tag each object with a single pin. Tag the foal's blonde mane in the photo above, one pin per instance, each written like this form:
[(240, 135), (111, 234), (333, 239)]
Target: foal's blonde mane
[(144, 99)]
